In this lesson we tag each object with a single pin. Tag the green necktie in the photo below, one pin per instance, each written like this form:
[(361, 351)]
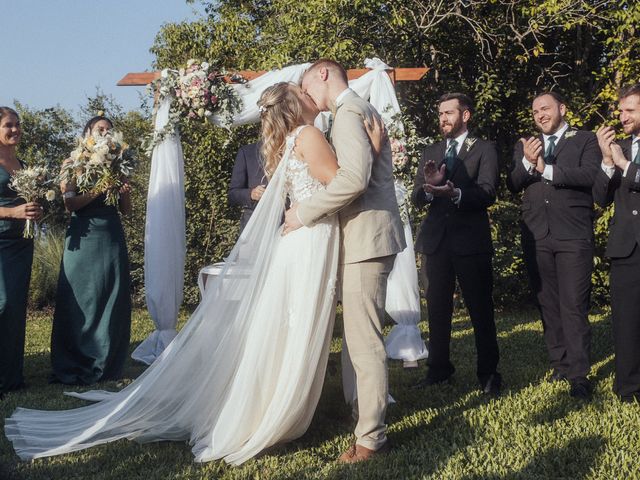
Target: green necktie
[(636, 159), (450, 156), (548, 155)]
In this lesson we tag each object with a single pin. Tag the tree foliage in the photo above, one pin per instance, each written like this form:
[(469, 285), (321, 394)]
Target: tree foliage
[(502, 52)]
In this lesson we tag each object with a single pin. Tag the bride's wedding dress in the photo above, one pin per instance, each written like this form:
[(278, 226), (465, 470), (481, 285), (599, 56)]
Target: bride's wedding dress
[(247, 369)]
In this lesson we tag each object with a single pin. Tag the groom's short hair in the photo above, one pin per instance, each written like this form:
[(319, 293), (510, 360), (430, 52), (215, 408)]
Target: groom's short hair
[(331, 65)]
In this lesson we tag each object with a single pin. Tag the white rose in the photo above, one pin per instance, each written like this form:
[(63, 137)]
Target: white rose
[(50, 195)]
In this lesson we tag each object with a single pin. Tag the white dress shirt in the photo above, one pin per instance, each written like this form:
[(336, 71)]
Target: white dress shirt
[(547, 173), (340, 97)]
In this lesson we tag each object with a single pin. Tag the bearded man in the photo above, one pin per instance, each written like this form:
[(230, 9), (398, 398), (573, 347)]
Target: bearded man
[(457, 180), (618, 182), (556, 171)]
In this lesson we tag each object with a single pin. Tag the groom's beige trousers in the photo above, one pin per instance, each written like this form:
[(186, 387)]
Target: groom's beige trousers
[(364, 290)]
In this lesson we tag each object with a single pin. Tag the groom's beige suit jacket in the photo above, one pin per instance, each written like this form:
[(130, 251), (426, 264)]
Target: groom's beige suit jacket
[(362, 192)]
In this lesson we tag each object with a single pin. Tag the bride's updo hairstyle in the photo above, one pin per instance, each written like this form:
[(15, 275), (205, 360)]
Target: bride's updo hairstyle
[(280, 112)]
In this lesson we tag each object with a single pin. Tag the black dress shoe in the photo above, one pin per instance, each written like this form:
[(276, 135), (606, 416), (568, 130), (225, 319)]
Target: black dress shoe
[(428, 381), (635, 398), (557, 376), (491, 384), (581, 389)]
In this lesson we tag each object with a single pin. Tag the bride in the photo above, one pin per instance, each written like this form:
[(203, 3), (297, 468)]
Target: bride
[(247, 369)]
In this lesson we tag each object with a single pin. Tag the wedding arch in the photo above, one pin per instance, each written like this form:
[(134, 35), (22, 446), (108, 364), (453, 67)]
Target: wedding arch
[(165, 214)]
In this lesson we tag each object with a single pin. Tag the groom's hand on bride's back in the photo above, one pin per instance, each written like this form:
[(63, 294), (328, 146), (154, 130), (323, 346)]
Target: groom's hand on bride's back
[(291, 220)]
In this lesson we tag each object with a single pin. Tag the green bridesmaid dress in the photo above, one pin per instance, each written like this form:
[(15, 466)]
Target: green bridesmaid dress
[(92, 319), (16, 256)]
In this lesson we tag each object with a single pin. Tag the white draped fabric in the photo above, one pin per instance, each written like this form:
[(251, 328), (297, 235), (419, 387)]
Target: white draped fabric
[(246, 371), (164, 241), (164, 276)]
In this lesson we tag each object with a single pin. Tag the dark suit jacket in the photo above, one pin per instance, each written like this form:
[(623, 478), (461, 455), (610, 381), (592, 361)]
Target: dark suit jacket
[(248, 173), (465, 226), (624, 231), (563, 206)]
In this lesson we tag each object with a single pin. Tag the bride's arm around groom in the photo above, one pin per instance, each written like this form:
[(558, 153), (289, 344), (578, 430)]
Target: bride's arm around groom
[(363, 195)]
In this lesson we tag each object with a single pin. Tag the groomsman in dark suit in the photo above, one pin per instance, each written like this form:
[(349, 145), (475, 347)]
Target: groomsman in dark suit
[(619, 181), (248, 181), (556, 170), (457, 179)]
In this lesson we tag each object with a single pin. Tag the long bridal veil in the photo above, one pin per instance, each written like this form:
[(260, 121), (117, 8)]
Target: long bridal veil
[(216, 385)]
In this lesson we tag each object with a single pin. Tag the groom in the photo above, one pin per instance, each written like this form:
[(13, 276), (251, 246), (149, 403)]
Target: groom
[(363, 195)]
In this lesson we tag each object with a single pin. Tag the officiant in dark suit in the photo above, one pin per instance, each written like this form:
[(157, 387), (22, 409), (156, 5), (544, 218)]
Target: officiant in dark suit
[(457, 180), (618, 181), (556, 171), (248, 181)]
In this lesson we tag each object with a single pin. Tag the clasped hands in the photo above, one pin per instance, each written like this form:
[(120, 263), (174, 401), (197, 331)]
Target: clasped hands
[(433, 177), (532, 148), (612, 154)]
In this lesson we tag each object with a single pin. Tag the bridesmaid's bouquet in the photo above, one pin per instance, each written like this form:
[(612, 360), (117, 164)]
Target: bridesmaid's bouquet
[(99, 164), (33, 184)]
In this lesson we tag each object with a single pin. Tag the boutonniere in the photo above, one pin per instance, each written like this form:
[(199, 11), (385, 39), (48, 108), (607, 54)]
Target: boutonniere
[(570, 133), (469, 142)]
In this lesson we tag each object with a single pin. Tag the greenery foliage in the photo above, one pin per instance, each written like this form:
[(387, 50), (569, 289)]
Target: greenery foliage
[(501, 53), (535, 430), (47, 256)]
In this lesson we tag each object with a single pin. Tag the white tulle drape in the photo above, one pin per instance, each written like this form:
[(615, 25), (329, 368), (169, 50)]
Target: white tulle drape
[(163, 276), (244, 373), (164, 241)]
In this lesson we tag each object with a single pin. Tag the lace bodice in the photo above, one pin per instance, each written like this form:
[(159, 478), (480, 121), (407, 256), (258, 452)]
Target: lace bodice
[(299, 182)]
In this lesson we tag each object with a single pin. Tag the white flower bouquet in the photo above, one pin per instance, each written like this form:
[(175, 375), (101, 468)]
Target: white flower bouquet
[(99, 164), (32, 184)]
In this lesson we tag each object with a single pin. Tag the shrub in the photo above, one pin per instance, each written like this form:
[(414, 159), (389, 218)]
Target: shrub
[(46, 267)]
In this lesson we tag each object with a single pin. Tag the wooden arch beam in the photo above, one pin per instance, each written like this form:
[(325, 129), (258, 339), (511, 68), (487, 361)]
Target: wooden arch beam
[(396, 74)]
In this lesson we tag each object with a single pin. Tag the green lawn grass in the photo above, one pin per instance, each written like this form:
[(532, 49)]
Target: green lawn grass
[(533, 431)]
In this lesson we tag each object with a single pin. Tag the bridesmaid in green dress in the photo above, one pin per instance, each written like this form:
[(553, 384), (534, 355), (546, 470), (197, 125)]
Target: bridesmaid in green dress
[(16, 255), (92, 319)]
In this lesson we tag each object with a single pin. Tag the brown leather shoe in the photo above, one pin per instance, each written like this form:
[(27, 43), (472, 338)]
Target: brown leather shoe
[(357, 453)]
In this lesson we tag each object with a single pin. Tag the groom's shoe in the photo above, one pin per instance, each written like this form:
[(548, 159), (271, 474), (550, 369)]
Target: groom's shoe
[(357, 453)]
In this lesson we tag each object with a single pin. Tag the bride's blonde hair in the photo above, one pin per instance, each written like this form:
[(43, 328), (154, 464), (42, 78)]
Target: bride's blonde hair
[(280, 112)]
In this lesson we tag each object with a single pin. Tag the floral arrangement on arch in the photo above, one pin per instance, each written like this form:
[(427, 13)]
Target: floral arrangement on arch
[(33, 184), (406, 148), (100, 163), (199, 90)]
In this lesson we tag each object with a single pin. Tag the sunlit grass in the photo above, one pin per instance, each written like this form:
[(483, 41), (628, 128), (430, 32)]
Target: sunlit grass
[(451, 431)]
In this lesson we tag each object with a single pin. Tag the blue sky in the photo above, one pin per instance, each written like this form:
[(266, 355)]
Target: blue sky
[(58, 51)]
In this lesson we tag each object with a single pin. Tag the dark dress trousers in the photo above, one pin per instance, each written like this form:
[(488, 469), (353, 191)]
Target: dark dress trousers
[(557, 242), (622, 248), (455, 241), (248, 173)]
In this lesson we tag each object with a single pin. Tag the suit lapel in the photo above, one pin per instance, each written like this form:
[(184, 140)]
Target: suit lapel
[(441, 151), (626, 148), (561, 143)]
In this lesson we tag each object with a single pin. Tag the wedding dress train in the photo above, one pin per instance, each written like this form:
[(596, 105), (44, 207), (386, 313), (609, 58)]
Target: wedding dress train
[(247, 369)]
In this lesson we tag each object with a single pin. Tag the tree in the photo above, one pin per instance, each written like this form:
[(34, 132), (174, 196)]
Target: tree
[(502, 52)]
